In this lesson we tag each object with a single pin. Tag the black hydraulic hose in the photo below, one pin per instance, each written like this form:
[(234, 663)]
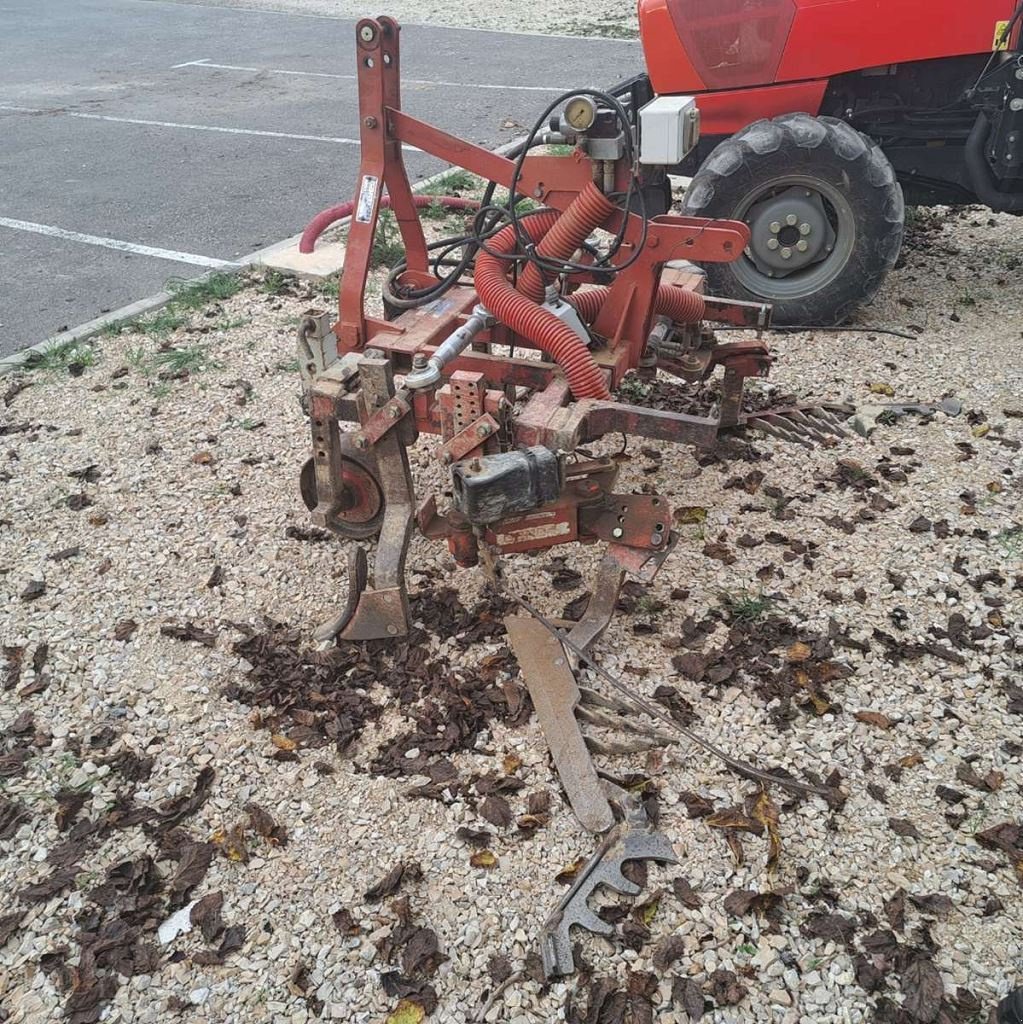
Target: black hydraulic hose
[(981, 178)]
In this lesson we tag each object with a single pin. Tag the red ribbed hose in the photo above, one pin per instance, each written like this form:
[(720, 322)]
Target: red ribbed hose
[(525, 317), (680, 304), (587, 211), (325, 218)]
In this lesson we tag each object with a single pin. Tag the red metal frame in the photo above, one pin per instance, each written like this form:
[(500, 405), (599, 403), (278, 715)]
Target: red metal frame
[(471, 408)]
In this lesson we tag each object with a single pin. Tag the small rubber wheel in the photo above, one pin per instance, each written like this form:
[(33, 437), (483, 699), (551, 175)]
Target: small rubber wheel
[(824, 209), (362, 508)]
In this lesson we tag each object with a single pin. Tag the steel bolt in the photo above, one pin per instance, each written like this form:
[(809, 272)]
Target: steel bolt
[(366, 33), (786, 253), (802, 246), (775, 227), (370, 122), (1019, 74), (394, 412), (419, 361), (792, 220), (656, 539), (483, 431), (617, 532), (772, 243), (392, 629), (805, 229), (1016, 104), (361, 442)]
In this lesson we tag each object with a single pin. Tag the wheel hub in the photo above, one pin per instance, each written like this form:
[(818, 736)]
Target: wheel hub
[(359, 512), (789, 231)]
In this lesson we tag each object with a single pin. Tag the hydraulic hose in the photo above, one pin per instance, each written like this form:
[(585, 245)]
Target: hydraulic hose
[(588, 210), (325, 218), (526, 317)]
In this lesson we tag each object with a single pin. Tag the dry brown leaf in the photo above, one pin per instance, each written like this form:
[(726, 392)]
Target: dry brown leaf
[(567, 874), (766, 812), (232, 843), (282, 742), (511, 764), (911, 760), (690, 515), (798, 652), (874, 718), (483, 859)]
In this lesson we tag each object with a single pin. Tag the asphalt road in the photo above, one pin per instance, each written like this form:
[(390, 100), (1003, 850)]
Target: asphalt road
[(207, 132)]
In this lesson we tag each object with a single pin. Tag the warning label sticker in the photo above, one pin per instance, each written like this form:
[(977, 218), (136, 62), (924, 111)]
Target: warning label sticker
[(367, 196)]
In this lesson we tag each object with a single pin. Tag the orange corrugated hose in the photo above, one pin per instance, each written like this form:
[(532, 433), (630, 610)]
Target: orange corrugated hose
[(587, 211), (532, 321), (680, 304), (558, 238)]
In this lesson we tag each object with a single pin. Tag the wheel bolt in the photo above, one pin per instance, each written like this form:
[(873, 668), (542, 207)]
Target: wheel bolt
[(792, 220), (617, 532), (772, 243), (361, 442), (786, 253), (802, 246), (775, 227), (805, 229)]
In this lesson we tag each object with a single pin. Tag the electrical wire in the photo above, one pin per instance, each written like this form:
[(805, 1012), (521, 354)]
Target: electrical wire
[(1016, 15), (559, 267), (795, 329)]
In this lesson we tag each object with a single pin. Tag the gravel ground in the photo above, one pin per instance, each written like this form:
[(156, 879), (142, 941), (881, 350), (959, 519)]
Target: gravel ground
[(866, 621), (608, 18)]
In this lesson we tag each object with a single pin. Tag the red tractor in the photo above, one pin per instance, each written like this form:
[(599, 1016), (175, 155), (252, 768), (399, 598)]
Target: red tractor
[(815, 112)]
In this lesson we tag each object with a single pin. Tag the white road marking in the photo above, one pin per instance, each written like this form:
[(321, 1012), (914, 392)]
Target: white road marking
[(116, 243), (191, 127), (207, 63)]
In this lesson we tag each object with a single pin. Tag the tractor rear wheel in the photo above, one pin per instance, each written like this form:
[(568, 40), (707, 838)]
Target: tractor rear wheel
[(824, 209)]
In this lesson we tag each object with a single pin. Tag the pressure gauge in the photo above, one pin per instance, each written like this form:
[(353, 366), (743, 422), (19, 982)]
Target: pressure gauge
[(580, 113)]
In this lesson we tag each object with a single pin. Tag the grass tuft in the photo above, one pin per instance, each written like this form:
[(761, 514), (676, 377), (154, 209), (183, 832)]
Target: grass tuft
[(745, 606), (196, 294), (190, 359), (72, 356)]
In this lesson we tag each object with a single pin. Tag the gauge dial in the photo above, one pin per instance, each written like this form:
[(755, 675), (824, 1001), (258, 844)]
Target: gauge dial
[(580, 113)]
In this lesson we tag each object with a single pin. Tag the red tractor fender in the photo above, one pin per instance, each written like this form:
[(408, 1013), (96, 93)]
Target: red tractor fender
[(747, 60), (725, 113)]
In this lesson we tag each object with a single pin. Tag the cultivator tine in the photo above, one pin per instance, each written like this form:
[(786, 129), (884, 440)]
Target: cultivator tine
[(615, 748), (774, 425), (805, 425), (816, 428), (604, 721)]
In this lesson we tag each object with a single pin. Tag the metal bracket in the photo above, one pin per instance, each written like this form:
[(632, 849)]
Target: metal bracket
[(315, 344), (468, 439)]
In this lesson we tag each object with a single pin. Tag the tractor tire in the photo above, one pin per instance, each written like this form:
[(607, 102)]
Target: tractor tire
[(825, 209)]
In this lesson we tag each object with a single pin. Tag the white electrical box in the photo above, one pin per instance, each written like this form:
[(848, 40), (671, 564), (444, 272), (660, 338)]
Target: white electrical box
[(669, 128)]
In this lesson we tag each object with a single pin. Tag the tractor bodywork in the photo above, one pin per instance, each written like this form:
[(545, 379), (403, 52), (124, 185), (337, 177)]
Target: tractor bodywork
[(934, 92)]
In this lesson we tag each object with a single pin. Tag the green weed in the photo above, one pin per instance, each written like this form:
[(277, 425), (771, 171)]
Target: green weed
[(275, 283), (72, 356), (454, 181), (190, 359), (745, 606), (196, 294)]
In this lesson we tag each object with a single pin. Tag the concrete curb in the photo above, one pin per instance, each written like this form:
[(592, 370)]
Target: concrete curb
[(259, 258)]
